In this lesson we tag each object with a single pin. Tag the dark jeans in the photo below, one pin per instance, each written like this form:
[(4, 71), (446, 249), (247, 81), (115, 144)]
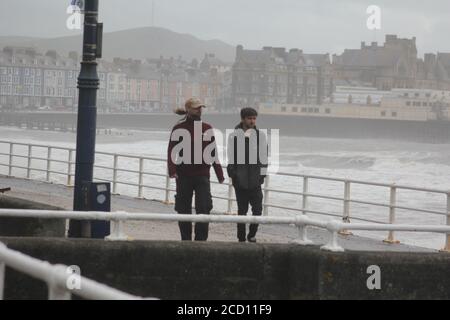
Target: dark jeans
[(245, 197), (203, 204)]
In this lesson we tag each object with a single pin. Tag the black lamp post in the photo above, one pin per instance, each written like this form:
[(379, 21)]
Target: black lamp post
[(88, 84)]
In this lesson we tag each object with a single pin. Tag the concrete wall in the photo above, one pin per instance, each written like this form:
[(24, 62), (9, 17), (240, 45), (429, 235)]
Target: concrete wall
[(29, 227), (176, 270)]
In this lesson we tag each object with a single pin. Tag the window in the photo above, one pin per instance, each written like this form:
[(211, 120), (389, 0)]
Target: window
[(394, 114), (327, 110), (283, 109), (383, 113), (294, 109), (304, 110), (408, 103)]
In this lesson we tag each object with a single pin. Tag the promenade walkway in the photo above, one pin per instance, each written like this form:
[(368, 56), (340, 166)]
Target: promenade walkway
[(61, 196)]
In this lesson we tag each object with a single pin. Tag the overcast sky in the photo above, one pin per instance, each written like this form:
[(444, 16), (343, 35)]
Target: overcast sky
[(314, 25)]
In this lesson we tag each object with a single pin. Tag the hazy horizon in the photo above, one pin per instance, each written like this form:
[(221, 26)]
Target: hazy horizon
[(316, 27)]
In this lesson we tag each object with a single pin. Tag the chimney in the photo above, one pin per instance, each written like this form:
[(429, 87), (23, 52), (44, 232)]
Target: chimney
[(239, 51), (429, 61), (391, 38)]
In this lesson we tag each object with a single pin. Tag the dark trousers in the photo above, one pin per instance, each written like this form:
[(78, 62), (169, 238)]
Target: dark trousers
[(186, 186), (245, 197)]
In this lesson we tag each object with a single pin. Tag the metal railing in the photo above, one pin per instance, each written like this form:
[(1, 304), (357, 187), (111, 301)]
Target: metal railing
[(57, 278), (67, 163), (302, 222)]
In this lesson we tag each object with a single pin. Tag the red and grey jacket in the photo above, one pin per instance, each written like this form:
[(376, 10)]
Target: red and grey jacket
[(191, 169)]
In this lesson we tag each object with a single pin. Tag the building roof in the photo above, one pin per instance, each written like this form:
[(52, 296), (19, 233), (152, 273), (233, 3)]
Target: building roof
[(270, 55)]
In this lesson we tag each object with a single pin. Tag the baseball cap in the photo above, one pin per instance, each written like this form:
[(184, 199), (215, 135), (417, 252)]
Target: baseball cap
[(194, 103)]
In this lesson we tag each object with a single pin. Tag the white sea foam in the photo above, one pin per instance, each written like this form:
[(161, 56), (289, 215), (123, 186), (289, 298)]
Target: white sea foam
[(403, 163)]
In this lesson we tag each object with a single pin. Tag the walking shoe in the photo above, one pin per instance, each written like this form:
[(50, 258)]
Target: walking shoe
[(241, 240), (251, 239)]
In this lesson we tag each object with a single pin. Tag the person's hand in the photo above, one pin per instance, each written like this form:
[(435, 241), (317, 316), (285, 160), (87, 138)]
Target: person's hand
[(174, 176), (221, 180)]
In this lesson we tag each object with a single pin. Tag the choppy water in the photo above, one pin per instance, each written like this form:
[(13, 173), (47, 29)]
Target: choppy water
[(404, 163)]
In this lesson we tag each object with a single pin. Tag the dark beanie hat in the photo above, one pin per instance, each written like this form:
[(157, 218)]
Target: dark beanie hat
[(248, 112)]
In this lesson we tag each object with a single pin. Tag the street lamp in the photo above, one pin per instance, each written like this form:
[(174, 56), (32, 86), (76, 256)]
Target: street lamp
[(88, 84)]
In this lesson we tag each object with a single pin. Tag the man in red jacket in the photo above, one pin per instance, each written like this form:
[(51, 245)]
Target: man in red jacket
[(190, 140)]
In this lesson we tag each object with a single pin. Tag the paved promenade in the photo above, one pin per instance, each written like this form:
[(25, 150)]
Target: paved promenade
[(61, 196)]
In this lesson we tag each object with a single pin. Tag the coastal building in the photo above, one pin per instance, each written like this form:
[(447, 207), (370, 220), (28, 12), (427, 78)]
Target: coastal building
[(273, 75)]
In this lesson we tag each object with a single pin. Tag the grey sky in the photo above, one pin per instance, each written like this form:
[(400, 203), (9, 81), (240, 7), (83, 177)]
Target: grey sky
[(314, 26)]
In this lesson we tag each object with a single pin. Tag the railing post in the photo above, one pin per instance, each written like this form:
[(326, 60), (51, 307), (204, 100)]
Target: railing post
[(447, 236), (346, 211), (333, 243), (11, 150), (55, 290), (141, 177), (167, 197), (49, 156), (29, 161), (116, 160), (305, 194), (266, 195), (69, 168), (118, 232), (302, 228), (230, 196), (392, 203)]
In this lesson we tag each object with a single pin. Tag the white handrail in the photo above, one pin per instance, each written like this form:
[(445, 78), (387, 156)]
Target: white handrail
[(140, 173), (300, 221), (57, 277)]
